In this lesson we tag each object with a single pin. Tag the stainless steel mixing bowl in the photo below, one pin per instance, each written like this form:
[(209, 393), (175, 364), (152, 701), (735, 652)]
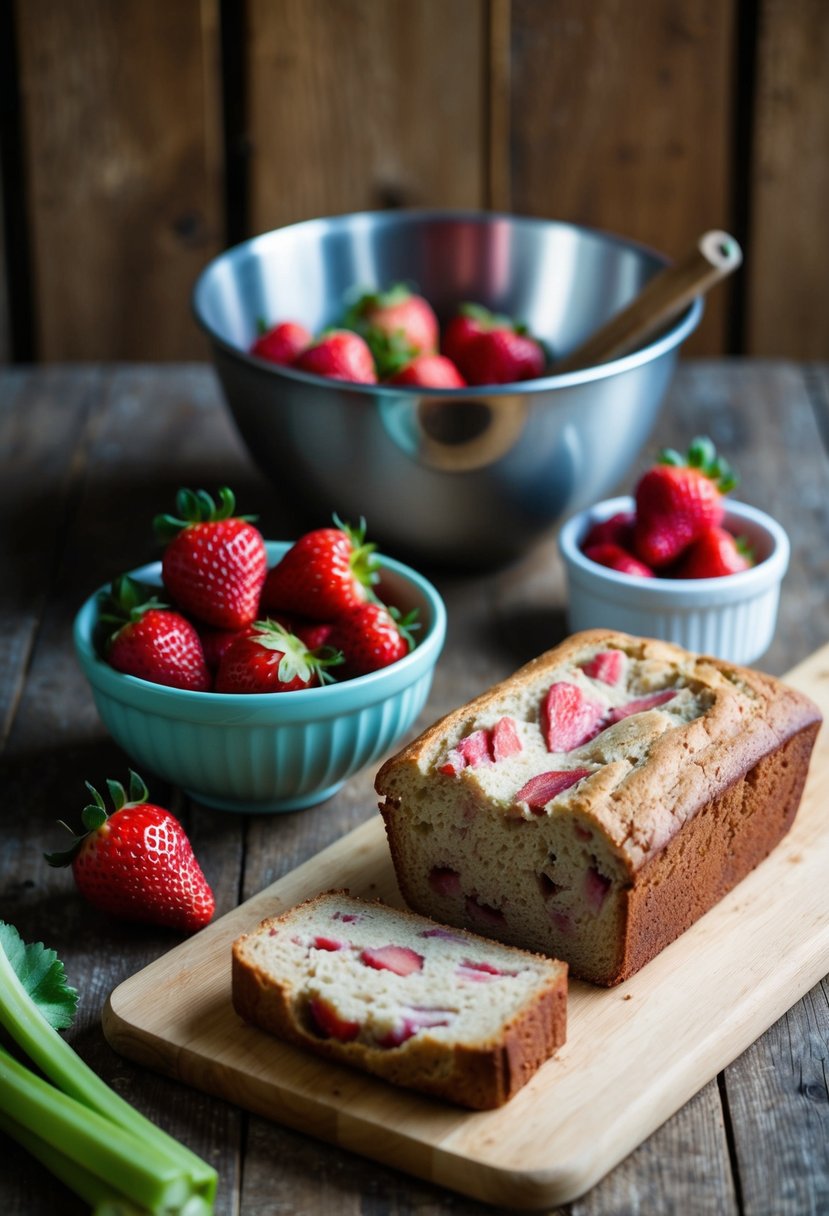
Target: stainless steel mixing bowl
[(466, 477)]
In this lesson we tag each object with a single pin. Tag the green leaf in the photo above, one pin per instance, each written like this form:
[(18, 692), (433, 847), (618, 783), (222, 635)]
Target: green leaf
[(41, 973)]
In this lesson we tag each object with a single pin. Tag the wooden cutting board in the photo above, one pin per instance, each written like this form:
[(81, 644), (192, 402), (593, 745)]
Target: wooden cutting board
[(634, 1054)]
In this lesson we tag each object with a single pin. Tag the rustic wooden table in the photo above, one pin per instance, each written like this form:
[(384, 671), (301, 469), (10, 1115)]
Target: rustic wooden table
[(89, 455)]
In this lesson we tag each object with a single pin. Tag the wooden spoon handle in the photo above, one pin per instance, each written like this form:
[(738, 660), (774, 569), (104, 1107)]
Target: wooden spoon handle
[(715, 255)]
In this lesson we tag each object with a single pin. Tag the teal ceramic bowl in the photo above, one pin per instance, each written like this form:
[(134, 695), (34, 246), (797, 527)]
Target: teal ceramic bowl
[(267, 752)]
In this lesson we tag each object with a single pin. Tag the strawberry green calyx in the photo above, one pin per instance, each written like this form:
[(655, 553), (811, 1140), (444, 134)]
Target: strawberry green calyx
[(702, 455), (368, 301), (297, 662), (127, 600), (95, 814), (406, 625), (197, 507), (363, 561)]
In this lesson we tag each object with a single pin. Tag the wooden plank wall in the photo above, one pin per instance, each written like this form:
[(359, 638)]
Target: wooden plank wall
[(153, 134)]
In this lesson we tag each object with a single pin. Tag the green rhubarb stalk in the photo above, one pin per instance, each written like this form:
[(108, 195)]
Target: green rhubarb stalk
[(21, 1015), (75, 1176), (100, 1146)]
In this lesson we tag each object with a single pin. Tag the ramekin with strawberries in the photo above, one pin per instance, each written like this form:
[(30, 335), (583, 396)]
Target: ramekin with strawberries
[(680, 560), (259, 675)]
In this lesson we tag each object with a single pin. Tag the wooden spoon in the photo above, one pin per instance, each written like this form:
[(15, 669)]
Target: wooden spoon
[(715, 256)]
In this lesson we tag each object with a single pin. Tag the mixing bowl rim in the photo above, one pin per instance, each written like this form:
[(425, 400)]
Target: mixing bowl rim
[(359, 693), (673, 337)]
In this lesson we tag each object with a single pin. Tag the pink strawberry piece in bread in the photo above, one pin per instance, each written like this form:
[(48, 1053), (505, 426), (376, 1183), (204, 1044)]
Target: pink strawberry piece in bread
[(415, 1020), (480, 973), (506, 740), (485, 746), (328, 943), (402, 960), (484, 914), (640, 704), (445, 881), (606, 666), (329, 1022), (596, 887), (541, 789), (568, 718)]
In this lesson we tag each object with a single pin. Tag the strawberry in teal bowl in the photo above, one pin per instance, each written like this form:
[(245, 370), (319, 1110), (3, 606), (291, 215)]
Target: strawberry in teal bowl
[(680, 560), (269, 750)]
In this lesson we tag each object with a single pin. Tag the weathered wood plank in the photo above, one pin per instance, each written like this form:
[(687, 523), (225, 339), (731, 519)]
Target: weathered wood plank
[(621, 119), (778, 1096), (148, 431), (788, 295), (122, 148), (43, 425), (358, 105)]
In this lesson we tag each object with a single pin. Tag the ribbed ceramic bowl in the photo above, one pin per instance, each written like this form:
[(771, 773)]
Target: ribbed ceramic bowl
[(732, 618), (267, 752)]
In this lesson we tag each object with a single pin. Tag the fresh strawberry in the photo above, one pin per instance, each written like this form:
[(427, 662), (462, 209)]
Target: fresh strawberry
[(540, 790), (397, 324), (323, 575), (215, 562), (282, 343), (677, 500), (151, 641), (429, 371), (372, 636), (137, 862), (216, 641), (267, 658), (402, 960), (618, 530), (568, 717), (503, 356), (617, 558), (469, 323), (714, 554), (339, 354), (315, 634), (329, 1022)]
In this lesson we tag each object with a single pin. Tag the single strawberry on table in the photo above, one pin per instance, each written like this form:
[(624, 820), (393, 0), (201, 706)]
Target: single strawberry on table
[(339, 354), (397, 324), (214, 563), (147, 639), (371, 636), (678, 499), (269, 658), (137, 863), (325, 573), (282, 343)]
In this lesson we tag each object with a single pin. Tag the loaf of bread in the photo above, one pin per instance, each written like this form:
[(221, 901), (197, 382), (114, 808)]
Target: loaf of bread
[(418, 1004), (598, 802)]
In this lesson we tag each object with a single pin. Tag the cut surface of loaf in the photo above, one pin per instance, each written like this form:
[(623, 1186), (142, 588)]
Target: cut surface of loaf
[(598, 802), (417, 1003)]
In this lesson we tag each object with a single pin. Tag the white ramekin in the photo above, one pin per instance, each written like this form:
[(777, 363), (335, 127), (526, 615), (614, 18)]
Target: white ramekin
[(733, 617)]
